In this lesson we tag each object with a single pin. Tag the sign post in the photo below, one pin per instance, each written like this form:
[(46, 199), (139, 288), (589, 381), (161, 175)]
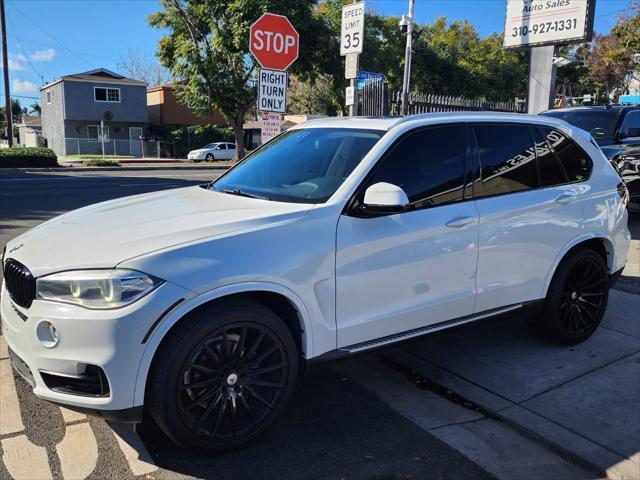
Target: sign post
[(351, 42), (541, 26), (274, 43)]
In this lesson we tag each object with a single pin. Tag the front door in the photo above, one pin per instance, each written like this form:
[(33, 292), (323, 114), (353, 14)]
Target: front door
[(135, 143), (403, 271)]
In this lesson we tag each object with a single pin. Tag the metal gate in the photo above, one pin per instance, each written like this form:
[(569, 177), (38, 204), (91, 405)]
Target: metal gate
[(373, 98)]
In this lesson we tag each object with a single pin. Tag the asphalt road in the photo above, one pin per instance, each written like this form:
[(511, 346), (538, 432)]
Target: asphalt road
[(334, 429)]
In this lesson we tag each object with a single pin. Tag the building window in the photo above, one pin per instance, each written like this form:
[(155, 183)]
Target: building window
[(48, 96), (102, 94), (93, 133)]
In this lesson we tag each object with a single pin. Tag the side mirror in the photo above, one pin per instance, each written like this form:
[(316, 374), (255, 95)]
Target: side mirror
[(384, 198)]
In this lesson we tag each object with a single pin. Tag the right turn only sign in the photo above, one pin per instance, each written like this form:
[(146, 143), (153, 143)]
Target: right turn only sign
[(272, 91)]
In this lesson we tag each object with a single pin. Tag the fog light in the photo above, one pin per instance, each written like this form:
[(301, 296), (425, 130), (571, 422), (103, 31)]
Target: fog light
[(47, 334)]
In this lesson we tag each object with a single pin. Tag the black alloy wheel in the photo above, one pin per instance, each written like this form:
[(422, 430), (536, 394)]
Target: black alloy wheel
[(576, 300), (232, 381), (584, 297), (223, 377)]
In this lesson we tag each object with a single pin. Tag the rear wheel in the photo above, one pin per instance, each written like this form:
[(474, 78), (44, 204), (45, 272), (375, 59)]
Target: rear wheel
[(576, 300), (224, 377)]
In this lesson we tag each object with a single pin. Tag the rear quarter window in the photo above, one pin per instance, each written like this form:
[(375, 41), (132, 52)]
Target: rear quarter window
[(574, 160)]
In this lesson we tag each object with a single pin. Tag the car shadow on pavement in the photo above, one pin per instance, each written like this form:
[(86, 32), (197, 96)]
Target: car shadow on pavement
[(333, 429)]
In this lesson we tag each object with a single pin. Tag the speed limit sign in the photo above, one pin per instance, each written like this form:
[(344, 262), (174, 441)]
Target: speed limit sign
[(352, 31)]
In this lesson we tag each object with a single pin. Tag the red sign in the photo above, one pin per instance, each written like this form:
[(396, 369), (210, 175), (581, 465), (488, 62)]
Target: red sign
[(274, 41)]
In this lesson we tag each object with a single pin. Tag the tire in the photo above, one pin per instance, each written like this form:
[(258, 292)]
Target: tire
[(210, 157), (576, 300), (223, 377)]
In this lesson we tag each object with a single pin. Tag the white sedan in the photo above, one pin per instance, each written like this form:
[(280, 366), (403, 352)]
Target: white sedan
[(213, 151)]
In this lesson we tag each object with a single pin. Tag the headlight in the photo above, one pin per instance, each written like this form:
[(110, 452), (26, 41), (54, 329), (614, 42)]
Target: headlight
[(98, 289)]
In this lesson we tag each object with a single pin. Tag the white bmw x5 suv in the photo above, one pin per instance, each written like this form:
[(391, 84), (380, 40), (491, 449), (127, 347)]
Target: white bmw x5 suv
[(202, 305)]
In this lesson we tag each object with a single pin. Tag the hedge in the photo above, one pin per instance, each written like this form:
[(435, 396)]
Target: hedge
[(100, 162), (27, 157)]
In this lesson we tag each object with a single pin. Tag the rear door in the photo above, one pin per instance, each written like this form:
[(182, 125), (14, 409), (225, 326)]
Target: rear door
[(231, 151), (407, 270), (528, 210)]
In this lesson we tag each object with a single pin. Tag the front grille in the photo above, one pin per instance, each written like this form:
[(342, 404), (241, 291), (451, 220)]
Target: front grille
[(20, 283)]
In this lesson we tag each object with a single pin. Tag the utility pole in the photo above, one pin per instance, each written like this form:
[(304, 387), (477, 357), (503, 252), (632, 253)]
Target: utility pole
[(406, 80), (5, 66), (353, 109)]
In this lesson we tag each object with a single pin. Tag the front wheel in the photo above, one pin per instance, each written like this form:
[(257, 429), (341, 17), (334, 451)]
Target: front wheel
[(224, 377), (576, 300), (210, 157)]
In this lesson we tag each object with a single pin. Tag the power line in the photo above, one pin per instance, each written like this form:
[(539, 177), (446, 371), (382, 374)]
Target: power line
[(15, 33), (21, 96), (50, 36)]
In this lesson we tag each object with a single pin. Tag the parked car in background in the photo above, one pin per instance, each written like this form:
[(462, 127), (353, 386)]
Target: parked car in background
[(616, 129), (213, 151), (202, 305)]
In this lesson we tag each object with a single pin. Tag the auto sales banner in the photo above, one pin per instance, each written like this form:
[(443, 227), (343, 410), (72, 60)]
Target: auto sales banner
[(547, 22)]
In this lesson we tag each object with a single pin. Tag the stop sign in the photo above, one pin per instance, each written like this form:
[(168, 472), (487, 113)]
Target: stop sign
[(274, 41)]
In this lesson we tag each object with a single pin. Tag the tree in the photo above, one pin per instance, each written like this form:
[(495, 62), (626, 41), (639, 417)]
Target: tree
[(143, 67), (314, 97), (207, 52), (35, 108), (608, 67), (452, 59), (627, 31), (17, 109)]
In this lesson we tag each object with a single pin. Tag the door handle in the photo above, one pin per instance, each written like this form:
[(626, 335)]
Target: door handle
[(566, 198), (459, 222)]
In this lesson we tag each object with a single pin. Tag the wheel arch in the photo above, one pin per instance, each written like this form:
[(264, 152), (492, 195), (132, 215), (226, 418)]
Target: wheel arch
[(596, 241), (281, 300)]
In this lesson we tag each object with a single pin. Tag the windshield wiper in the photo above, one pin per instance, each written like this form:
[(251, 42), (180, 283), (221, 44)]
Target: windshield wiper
[(240, 193)]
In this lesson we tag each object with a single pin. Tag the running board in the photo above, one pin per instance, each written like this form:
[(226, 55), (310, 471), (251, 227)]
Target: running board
[(380, 342)]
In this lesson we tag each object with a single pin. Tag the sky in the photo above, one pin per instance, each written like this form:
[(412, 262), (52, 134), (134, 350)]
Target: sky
[(50, 38)]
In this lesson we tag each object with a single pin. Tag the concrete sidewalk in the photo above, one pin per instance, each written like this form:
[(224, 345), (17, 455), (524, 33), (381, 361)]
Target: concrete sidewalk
[(508, 391)]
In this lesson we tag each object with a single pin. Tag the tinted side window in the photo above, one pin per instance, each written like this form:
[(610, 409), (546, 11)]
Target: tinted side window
[(576, 163), (631, 125), (507, 160), (551, 170), (429, 165)]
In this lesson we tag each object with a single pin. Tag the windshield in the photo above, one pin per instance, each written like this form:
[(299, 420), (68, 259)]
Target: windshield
[(600, 124), (211, 145), (301, 166)]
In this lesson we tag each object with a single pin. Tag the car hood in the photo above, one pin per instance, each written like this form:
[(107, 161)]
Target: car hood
[(105, 234)]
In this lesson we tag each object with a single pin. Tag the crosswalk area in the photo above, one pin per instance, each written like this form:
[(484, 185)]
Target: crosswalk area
[(68, 450)]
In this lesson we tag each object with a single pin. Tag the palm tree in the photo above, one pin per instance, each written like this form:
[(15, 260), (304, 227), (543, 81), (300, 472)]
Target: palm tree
[(36, 108)]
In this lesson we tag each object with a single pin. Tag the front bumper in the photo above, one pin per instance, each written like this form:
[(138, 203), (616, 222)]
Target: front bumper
[(108, 339), (196, 156)]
